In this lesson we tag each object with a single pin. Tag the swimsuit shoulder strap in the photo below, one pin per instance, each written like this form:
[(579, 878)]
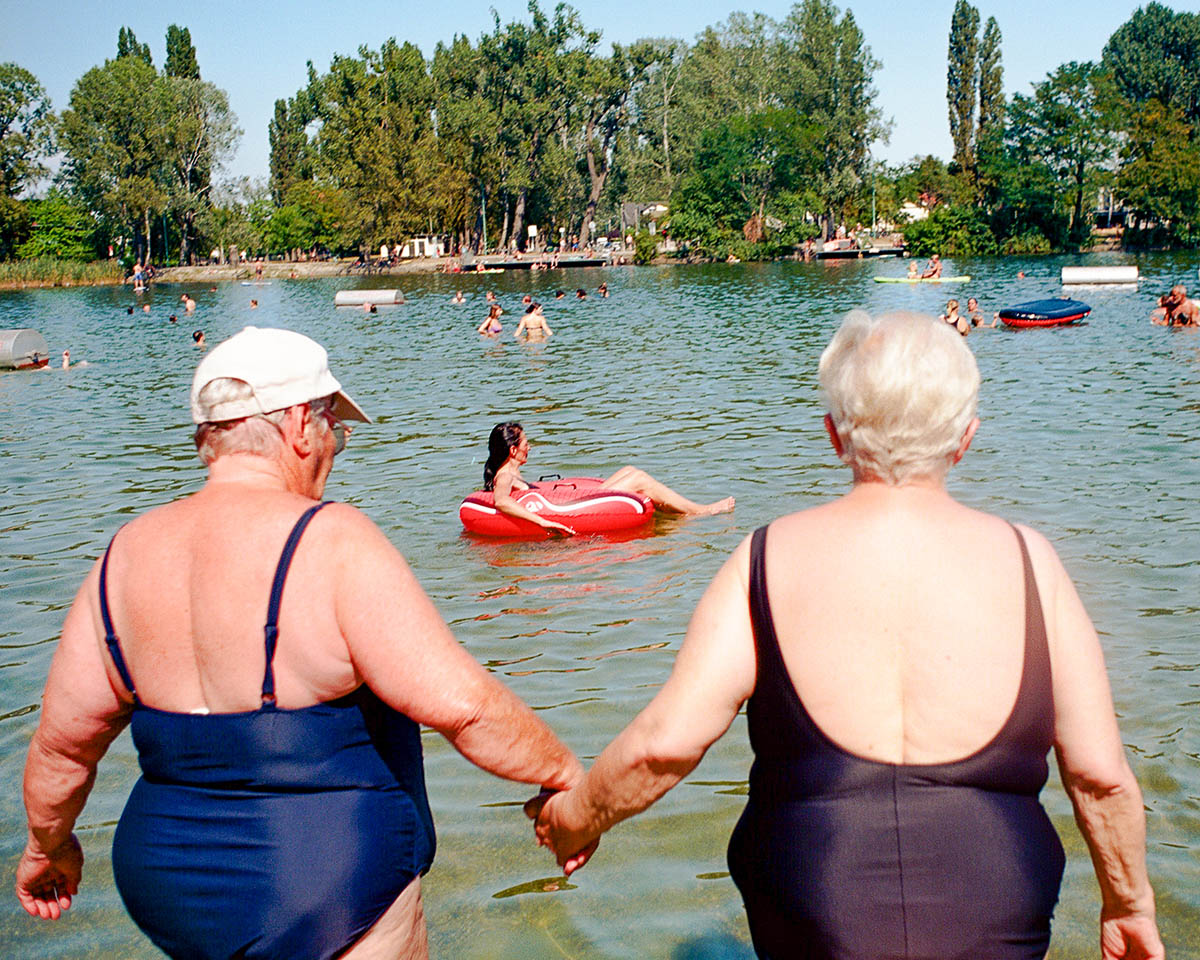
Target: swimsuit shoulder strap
[(1035, 697), (110, 635), (271, 630), (771, 667)]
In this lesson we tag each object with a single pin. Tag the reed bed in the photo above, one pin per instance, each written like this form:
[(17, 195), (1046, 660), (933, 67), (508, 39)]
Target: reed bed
[(49, 272)]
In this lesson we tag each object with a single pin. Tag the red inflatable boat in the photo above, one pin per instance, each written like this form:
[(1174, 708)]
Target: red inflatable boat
[(582, 503)]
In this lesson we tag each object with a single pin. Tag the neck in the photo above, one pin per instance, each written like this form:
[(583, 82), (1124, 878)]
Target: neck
[(870, 486), (263, 473)]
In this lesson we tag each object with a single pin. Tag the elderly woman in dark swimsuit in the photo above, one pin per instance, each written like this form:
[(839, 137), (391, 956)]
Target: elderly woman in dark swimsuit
[(900, 728), (508, 450)]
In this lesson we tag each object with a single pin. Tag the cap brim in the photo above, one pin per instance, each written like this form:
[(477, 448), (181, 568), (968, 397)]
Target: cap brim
[(346, 409)]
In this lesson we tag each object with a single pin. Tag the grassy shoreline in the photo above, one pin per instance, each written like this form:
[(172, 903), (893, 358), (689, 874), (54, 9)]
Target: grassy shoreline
[(49, 272)]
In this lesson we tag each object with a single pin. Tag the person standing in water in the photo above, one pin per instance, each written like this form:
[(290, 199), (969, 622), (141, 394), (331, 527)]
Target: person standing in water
[(508, 451), (534, 324), (491, 325)]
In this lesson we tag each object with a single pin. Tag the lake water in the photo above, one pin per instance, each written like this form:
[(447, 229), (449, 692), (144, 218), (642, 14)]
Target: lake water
[(705, 377)]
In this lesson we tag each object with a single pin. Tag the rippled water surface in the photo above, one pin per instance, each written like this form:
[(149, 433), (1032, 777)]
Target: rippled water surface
[(705, 377)]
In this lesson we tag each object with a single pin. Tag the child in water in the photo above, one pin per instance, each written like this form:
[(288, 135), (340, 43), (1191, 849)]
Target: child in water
[(956, 319)]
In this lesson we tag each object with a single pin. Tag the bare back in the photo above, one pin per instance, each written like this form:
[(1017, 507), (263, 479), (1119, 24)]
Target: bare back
[(898, 650), (188, 586)]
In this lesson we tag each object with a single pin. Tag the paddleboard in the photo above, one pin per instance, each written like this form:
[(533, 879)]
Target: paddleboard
[(965, 279)]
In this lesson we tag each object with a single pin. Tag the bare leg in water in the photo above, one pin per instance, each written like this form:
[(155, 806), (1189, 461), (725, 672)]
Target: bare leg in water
[(638, 481)]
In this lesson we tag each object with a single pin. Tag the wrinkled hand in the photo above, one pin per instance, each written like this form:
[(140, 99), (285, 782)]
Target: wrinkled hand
[(1132, 937), (571, 848), (47, 882)]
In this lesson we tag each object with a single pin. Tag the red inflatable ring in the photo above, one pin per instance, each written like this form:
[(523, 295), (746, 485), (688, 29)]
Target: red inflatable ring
[(582, 503)]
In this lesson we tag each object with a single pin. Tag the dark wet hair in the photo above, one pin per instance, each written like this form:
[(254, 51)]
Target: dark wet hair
[(503, 438), (581, 292), (129, 309), (197, 334), (532, 307), (559, 294)]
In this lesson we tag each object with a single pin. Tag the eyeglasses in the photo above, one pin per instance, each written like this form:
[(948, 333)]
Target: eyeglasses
[(340, 430)]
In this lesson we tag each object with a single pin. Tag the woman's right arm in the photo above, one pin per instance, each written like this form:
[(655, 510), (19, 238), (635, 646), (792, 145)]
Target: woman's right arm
[(1091, 759), (503, 498), (713, 675), (81, 716)]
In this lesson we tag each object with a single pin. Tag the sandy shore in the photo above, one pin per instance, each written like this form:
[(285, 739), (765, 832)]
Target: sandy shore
[(277, 269)]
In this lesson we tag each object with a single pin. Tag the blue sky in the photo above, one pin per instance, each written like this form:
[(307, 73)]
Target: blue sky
[(258, 52)]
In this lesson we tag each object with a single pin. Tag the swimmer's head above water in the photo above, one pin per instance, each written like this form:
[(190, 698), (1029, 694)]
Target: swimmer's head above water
[(504, 438)]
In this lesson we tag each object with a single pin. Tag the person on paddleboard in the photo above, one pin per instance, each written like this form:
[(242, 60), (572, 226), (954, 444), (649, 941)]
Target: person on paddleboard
[(934, 270)]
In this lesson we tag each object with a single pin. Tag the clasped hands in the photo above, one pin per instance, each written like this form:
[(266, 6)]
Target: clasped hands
[(550, 811)]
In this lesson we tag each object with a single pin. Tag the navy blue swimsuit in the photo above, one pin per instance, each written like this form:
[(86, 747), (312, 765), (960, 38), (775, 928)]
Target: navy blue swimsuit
[(842, 858), (270, 833)]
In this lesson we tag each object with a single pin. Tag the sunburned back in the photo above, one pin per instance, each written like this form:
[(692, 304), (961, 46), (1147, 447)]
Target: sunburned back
[(897, 646), (188, 586)]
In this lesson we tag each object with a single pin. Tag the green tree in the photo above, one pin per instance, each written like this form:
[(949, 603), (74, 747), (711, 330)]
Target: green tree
[(26, 129), (113, 145), (289, 159), (829, 71), (59, 228), (376, 140), (128, 46), (1159, 177), (181, 55), (961, 83), (198, 133), (14, 225), (1065, 125), (958, 231), (1155, 55), (991, 89)]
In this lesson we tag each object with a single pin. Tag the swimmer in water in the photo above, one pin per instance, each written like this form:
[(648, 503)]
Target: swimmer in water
[(508, 450), (145, 308), (602, 289), (173, 318), (1175, 309), (956, 319), (458, 297), (534, 324), (189, 304), (490, 297), (975, 315), (198, 337), (66, 359), (129, 310), (527, 299), (559, 294), (580, 294), (253, 304), (491, 325)]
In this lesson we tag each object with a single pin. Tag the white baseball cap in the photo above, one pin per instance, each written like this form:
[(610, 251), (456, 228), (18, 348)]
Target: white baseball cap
[(282, 368)]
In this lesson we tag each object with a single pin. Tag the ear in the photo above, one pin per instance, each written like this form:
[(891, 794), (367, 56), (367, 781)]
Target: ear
[(965, 442), (838, 447), (296, 429)]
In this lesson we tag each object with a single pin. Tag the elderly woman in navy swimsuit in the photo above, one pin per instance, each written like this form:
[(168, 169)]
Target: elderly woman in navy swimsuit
[(508, 450), (900, 728), (275, 658)]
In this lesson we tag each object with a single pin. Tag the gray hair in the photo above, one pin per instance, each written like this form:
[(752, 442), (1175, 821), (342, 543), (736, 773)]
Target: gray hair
[(258, 435), (901, 389)]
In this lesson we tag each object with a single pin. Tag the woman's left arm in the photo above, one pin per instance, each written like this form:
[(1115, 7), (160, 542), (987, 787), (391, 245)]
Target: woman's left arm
[(713, 676), (82, 714)]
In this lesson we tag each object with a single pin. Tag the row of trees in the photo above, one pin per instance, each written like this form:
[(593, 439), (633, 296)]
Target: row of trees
[(138, 146), (757, 134), (1025, 177)]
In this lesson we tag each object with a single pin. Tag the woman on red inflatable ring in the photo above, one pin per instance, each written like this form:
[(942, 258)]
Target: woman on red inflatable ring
[(508, 450)]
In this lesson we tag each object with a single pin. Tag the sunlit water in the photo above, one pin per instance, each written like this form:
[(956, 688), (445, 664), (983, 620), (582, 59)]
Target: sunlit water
[(704, 376)]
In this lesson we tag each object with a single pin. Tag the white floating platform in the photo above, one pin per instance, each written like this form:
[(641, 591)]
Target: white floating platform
[(1097, 275), (356, 298)]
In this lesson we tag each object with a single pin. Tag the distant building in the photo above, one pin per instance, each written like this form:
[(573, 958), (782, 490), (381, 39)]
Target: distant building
[(425, 245)]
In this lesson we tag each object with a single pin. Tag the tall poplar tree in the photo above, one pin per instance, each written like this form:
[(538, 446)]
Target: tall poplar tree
[(961, 78), (128, 46), (991, 85), (181, 55)]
